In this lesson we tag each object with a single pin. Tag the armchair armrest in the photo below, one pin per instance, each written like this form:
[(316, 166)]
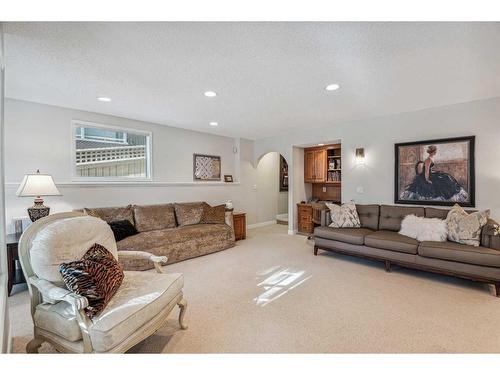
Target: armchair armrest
[(490, 235), (158, 261), (52, 293), (325, 217)]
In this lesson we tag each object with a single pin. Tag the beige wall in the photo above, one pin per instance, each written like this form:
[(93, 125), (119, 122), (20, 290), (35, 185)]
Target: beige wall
[(38, 136), (378, 136)]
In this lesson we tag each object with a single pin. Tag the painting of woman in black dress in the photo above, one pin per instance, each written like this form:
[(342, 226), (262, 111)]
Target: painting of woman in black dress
[(435, 172)]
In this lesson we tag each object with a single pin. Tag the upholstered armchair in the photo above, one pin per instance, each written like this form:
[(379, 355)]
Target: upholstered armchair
[(138, 309)]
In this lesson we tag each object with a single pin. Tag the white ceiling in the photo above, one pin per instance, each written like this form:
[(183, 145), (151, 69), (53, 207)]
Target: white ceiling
[(270, 77)]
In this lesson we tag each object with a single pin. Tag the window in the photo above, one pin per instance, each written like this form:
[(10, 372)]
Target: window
[(107, 153)]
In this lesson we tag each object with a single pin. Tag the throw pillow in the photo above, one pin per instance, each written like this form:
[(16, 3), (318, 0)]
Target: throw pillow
[(188, 213), (465, 228), (122, 229), (97, 276), (213, 215), (344, 216), (109, 214), (424, 229)]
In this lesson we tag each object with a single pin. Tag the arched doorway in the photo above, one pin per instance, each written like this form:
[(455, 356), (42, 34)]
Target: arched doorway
[(272, 188)]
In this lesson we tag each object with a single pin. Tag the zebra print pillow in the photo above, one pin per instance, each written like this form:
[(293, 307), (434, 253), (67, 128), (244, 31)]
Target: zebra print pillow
[(97, 276)]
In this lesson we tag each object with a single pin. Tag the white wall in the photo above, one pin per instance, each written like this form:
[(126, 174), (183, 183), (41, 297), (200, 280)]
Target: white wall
[(378, 136), (5, 339), (38, 136)]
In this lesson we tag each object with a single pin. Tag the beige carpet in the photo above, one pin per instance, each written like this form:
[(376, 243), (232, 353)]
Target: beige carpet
[(269, 294)]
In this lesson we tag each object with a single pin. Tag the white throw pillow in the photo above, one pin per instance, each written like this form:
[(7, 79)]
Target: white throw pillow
[(345, 216), (424, 229)]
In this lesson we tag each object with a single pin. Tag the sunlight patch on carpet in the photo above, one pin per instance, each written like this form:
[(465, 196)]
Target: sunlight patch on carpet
[(277, 281)]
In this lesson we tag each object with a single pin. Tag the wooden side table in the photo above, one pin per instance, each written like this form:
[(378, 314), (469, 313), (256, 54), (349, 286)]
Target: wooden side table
[(304, 219), (15, 275), (240, 225)]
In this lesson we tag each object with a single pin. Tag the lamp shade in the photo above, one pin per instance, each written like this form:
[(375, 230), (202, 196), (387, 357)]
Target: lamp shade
[(35, 185)]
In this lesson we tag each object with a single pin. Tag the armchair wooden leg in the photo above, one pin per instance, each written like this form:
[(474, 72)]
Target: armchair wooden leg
[(315, 250), (497, 289), (183, 306), (33, 346)]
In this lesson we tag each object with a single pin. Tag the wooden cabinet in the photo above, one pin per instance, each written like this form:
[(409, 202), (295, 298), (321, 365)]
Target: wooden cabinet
[(308, 165), (240, 225), (323, 169), (315, 165), (305, 224)]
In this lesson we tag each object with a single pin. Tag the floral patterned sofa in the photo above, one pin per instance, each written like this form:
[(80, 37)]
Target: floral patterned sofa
[(173, 230)]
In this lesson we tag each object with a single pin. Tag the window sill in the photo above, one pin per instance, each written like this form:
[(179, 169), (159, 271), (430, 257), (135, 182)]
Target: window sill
[(78, 184)]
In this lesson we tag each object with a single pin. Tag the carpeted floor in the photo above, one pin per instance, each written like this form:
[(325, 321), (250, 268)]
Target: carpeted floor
[(269, 294)]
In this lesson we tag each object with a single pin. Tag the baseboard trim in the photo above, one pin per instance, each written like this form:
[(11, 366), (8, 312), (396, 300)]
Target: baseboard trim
[(263, 224), (291, 232)]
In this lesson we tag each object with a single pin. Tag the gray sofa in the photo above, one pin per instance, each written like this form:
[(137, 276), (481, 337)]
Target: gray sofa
[(378, 239)]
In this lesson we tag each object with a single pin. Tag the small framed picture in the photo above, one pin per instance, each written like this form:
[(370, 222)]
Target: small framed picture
[(228, 178)]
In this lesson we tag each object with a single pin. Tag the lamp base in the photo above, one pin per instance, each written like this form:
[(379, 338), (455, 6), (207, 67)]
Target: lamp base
[(38, 210)]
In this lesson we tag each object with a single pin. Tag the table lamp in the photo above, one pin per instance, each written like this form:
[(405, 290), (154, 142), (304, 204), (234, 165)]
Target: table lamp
[(37, 185)]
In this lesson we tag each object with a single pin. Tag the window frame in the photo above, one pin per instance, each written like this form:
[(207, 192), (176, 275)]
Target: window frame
[(149, 153)]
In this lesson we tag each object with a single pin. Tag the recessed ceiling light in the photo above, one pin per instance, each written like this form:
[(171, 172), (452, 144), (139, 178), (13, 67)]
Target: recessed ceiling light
[(210, 94), (332, 87), (321, 144), (213, 123), (103, 99)]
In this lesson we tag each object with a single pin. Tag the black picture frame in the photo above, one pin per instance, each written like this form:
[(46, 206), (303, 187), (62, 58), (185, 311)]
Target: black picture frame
[(470, 202), (283, 174)]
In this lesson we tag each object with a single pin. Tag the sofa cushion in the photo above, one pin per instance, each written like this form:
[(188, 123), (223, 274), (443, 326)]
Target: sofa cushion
[(368, 215), (453, 251), (440, 213), (142, 296), (122, 229), (178, 243), (154, 217), (466, 228), (67, 240), (109, 214), (392, 216), (188, 213), (390, 240), (355, 236), (344, 216), (213, 215)]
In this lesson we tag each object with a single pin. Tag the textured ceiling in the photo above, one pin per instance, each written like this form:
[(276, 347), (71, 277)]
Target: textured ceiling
[(270, 77)]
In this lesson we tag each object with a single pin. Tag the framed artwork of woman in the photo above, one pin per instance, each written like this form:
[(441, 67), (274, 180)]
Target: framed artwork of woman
[(435, 172)]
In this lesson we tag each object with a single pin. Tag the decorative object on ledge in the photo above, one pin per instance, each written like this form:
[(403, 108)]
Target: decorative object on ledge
[(206, 167), (360, 156), (228, 178), (435, 172), (283, 174), (37, 185)]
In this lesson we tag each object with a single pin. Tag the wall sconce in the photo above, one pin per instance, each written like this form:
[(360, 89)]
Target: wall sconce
[(360, 156)]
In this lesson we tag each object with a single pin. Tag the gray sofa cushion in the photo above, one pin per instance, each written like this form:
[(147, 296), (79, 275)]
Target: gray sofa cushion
[(481, 256), (368, 215), (391, 216), (355, 236), (390, 240), (440, 213)]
